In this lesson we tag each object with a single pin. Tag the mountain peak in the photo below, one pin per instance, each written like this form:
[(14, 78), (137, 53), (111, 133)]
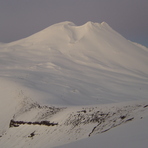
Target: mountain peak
[(63, 31), (82, 62)]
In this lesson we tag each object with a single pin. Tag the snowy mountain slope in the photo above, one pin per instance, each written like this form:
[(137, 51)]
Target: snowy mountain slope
[(47, 78), (133, 135), (77, 65), (35, 125)]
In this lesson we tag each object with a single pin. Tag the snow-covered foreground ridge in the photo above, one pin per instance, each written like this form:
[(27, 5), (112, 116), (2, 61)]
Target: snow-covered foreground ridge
[(54, 82), (38, 126)]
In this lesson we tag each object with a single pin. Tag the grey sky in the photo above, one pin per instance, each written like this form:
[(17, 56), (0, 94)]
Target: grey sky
[(21, 18)]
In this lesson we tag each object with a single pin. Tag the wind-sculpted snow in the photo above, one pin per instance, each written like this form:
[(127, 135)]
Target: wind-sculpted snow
[(46, 78), (67, 64)]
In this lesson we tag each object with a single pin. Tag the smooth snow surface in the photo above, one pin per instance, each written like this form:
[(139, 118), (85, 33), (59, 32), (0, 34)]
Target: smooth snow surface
[(61, 73)]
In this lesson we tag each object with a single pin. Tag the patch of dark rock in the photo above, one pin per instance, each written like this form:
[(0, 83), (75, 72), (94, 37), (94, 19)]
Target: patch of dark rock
[(32, 135), (84, 111), (129, 119), (92, 131), (105, 130), (145, 106), (17, 123), (122, 117)]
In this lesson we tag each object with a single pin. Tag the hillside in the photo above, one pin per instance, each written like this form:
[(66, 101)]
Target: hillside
[(70, 80)]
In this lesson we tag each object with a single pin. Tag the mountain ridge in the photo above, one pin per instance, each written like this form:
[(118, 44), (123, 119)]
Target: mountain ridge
[(63, 26)]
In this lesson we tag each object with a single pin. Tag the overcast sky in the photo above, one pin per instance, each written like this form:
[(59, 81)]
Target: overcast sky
[(21, 18)]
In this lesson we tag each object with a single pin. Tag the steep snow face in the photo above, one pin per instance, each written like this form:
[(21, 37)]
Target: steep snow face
[(67, 64)]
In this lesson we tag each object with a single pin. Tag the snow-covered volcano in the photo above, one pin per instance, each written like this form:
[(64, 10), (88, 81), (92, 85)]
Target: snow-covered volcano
[(67, 65), (77, 65)]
